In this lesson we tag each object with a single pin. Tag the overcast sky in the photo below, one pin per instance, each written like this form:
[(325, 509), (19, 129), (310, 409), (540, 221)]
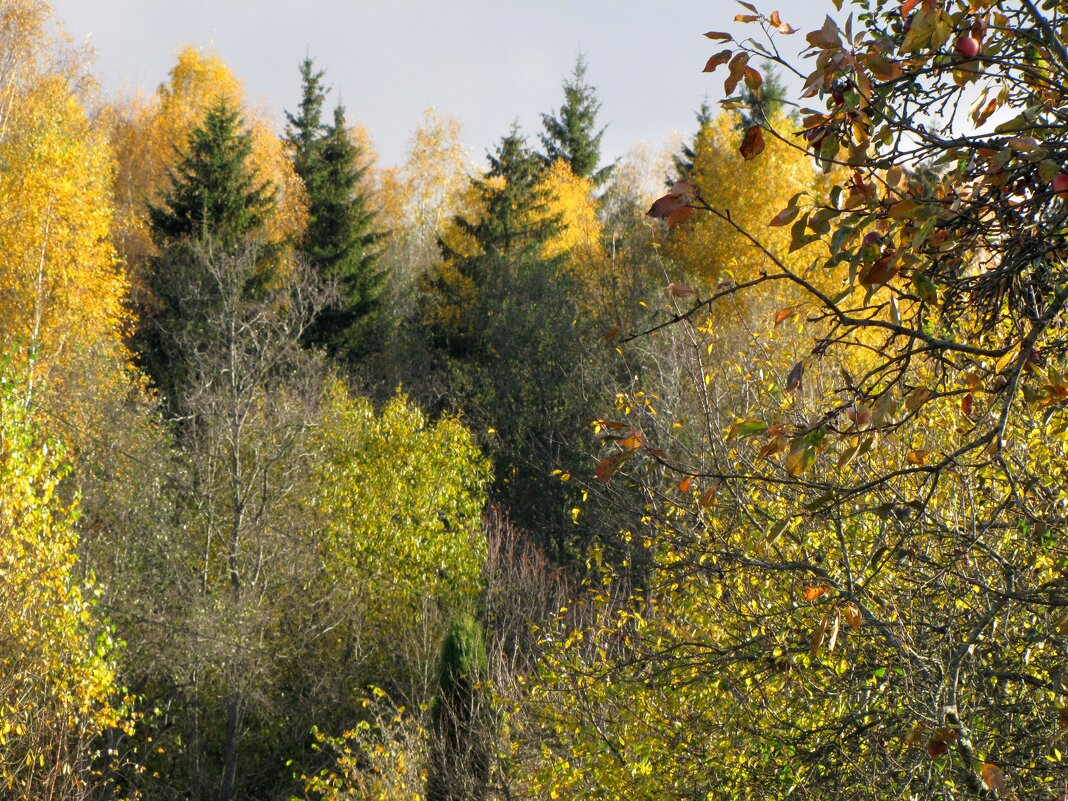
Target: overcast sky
[(485, 62)]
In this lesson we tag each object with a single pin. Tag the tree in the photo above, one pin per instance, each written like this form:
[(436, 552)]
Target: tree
[(569, 133), (341, 237), (57, 652), (863, 593), (684, 162), (149, 136), (215, 203), (214, 196), (62, 288), (506, 230), (459, 761)]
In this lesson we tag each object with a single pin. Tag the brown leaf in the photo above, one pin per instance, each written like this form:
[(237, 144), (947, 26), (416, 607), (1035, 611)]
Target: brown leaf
[(818, 636), (936, 748), (827, 37), (708, 497), (993, 776), (610, 464), (793, 381), (966, 405), (777, 444), (611, 333), (680, 290), (939, 743), (753, 79), (737, 69), (784, 217), (632, 441), (815, 591), (679, 216), (752, 143), (917, 398), (718, 35), (679, 197), (718, 60), (774, 19), (745, 18), (853, 616), (880, 272)]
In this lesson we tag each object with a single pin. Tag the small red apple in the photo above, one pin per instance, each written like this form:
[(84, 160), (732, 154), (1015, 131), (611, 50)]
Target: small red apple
[(967, 46), (1060, 184)]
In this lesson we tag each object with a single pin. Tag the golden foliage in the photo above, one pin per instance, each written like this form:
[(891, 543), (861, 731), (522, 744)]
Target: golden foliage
[(148, 133), (56, 672)]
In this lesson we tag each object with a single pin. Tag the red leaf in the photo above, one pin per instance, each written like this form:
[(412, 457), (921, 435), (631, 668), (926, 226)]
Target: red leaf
[(785, 314), (737, 69), (718, 60), (752, 143), (679, 216), (684, 485), (966, 405), (907, 6)]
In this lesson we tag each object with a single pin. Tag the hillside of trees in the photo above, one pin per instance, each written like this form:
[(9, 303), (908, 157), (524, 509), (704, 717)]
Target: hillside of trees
[(507, 480)]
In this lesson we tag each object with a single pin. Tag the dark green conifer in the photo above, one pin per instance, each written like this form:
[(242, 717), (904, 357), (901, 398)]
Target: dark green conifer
[(340, 240), (215, 207), (510, 235), (214, 197), (571, 134), (684, 161), (459, 769)]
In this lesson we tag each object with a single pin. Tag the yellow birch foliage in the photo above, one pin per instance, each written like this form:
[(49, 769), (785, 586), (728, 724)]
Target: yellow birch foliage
[(148, 133), (571, 201), (710, 249), (61, 285), (56, 672)]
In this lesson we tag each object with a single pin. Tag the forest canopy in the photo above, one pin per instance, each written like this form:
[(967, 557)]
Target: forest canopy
[(324, 479)]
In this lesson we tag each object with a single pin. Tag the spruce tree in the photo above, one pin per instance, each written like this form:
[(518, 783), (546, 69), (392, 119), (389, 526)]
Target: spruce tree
[(340, 240), (305, 131), (214, 198), (684, 161), (510, 234), (215, 207), (759, 106), (459, 762), (571, 133)]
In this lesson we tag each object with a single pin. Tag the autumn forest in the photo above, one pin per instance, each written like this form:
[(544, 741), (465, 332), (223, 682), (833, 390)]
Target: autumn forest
[(529, 477)]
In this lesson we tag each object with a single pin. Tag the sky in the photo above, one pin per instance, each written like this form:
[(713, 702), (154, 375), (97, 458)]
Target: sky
[(488, 63)]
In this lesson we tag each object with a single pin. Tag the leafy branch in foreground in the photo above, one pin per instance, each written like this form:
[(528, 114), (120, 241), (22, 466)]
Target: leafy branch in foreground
[(854, 540)]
